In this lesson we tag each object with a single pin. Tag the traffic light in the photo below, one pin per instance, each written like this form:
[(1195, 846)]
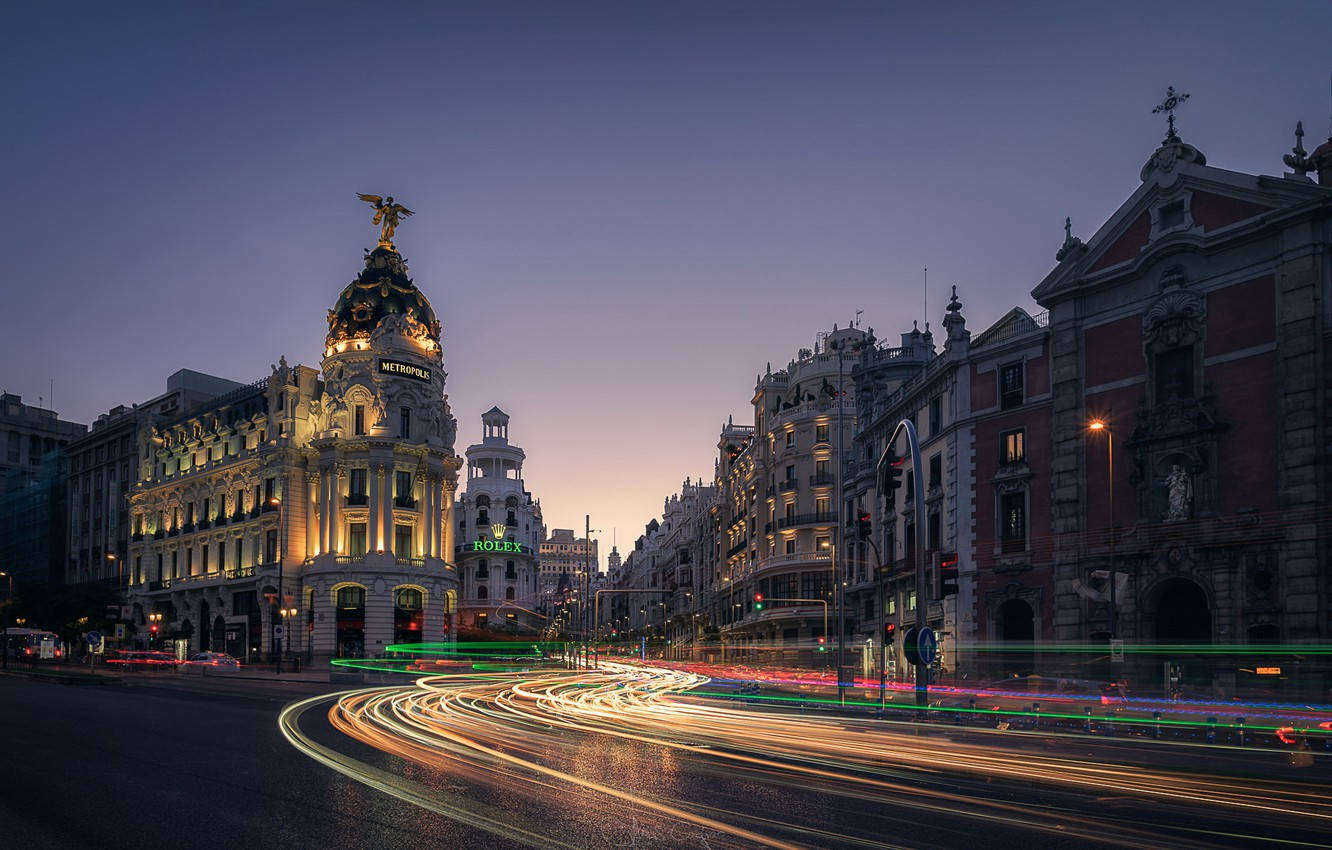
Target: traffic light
[(864, 528), (823, 644), (758, 601), (947, 574), (890, 473), (889, 632)]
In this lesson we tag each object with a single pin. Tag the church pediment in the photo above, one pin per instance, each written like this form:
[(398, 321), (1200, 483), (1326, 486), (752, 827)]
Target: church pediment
[(1182, 207)]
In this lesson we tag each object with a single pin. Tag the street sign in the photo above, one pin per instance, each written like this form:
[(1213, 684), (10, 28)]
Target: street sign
[(120, 631), (1117, 651), (910, 646), (927, 646), (277, 631), (94, 639)]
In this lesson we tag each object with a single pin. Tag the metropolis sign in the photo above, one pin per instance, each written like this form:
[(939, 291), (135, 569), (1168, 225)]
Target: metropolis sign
[(409, 370)]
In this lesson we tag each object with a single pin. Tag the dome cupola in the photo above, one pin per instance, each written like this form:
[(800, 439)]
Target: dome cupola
[(381, 290)]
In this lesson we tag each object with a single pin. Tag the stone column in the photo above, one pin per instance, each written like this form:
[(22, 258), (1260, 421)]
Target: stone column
[(386, 478), (335, 509), (313, 514), (427, 517), (448, 527), (374, 481)]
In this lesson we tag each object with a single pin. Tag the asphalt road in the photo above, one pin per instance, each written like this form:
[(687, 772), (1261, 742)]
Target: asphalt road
[(178, 761), (184, 762)]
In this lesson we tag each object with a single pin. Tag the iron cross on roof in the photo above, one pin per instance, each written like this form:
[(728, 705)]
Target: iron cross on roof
[(1173, 100)]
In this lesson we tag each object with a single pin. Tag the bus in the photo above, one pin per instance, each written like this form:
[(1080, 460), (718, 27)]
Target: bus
[(32, 645)]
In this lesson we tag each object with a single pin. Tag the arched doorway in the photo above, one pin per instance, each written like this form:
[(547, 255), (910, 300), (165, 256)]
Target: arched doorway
[(1016, 628), (407, 615), (219, 641), (205, 634), (1182, 613), (350, 604), (1017, 622)]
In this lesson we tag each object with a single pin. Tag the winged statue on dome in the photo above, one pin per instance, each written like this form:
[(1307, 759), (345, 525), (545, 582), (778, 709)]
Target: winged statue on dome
[(388, 214)]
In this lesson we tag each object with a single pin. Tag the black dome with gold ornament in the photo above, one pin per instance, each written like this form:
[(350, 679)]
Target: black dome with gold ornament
[(381, 289)]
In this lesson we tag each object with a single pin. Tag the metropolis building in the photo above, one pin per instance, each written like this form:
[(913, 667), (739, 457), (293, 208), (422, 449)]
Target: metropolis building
[(317, 501)]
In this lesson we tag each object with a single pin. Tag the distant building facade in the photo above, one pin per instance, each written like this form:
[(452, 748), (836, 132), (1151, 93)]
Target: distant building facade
[(499, 534), (101, 466), (33, 497)]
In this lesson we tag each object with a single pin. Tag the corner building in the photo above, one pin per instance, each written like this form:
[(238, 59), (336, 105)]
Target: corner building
[(327, 493)]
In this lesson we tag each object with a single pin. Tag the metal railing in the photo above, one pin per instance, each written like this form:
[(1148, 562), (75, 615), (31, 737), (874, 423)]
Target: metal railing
[(825, 518)]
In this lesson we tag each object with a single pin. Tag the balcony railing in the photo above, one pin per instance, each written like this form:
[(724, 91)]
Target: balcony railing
[(737, 548), (187, 527), (137, 536), (787, 485), (203, 523), (159, 534), (404, 502), (823, 479), (825, 518), (240, 572), (173, 532), (357, 499), (411, 562)]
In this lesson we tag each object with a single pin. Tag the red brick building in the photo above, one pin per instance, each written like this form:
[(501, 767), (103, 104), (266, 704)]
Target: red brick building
[(1194, 326)]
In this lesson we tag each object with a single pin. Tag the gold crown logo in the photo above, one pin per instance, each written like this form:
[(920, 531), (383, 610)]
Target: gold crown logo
[(498, 529)]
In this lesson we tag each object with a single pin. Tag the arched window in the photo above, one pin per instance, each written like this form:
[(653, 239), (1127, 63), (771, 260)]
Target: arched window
[(482, 592), (508, 592), (408, 599), (351, 596), (483, 568)]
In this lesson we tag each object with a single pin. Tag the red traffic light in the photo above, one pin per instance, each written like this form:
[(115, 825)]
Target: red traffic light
[(153, 628), (889, 631), (758, 597), (822, 639)]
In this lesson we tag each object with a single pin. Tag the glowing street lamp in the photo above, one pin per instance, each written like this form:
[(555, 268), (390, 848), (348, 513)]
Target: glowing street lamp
[(1101, 426)]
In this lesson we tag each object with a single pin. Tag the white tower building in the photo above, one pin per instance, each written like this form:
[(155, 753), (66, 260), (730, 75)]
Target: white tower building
[(499, 526)]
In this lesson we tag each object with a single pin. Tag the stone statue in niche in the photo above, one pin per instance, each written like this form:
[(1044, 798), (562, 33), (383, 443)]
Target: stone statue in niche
[(1179, 492)]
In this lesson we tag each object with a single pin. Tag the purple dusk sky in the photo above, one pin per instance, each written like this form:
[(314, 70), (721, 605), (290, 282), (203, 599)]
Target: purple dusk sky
[(623, 209)]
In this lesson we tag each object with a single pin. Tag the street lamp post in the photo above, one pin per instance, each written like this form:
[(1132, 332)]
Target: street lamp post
[(1098, 426), (277, 650), (289, 621)]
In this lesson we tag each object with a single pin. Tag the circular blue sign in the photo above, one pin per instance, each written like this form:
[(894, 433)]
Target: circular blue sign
[(94, 638), (927, 646)]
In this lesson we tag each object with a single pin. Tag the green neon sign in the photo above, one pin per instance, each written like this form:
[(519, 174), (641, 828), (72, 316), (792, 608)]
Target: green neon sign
[(496, 546)]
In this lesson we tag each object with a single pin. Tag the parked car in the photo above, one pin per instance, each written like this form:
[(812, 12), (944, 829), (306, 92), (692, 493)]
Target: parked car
[(214, 659)]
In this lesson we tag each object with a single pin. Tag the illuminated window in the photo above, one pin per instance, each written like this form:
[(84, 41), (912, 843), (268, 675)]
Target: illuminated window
[(359, 420), (1012, 447)]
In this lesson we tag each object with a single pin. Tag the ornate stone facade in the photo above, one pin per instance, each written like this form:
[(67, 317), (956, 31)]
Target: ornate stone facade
[(324, 492)]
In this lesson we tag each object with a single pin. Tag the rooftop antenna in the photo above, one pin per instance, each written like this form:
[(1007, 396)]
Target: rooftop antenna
[(858, 314), (927, 300)]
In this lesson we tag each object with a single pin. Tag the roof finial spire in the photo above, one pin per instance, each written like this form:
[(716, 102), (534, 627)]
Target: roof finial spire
[(1173, 100), (1298, 159)]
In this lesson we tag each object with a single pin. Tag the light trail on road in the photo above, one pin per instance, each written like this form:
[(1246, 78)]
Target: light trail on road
[(526, 737)]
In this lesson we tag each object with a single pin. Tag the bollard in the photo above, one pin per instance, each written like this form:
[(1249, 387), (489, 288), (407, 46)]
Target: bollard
[(1156, 729), (1086, 724), (1035, 715), (1211, 730), (1239, 737)]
